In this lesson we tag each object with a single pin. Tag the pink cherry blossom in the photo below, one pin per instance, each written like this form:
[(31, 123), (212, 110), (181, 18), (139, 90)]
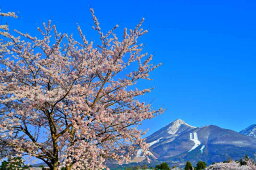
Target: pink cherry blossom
[(72, 103)]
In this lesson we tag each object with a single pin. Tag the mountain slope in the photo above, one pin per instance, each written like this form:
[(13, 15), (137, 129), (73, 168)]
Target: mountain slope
[(180, 142), (218, 144)]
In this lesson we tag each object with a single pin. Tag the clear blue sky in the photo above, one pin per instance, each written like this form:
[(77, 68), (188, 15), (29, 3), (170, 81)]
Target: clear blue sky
[(207, 47)]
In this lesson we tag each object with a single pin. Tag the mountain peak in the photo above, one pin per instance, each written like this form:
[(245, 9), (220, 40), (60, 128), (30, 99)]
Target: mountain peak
[(178, 121), (175, 125), (249, 131)]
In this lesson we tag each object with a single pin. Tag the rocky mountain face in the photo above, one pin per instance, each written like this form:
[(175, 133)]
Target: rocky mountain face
[(179, 142), (249, 131)]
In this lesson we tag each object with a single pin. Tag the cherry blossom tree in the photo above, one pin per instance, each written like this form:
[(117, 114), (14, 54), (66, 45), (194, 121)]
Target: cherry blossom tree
[(72, 103), (250, 165)]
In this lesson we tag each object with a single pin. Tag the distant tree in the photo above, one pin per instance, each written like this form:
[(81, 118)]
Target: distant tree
[(70, 102), (162, 166), (144, 167), (188, 166), (246, 158), (242, 162), (200, 165), (137, 167), (129, 168)]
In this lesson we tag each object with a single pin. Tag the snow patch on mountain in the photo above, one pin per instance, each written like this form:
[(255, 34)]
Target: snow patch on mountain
[(193, 137), (202, 148), (174, 127), (140, 153), (154, 142)]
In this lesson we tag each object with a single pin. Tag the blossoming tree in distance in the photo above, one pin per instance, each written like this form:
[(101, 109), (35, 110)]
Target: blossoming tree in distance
[(71, 103)]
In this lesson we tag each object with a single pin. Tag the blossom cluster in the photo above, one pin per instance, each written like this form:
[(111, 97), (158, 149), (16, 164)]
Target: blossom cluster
[(250, 165), (72, 103)]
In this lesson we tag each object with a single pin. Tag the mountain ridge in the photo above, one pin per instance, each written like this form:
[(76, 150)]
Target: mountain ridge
[(249, 131), (179, 141)]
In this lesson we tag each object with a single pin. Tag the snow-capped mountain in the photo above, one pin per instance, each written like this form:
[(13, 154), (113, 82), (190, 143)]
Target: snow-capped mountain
[(249, 131), (170, 131), (180, 142), (164, 135)]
